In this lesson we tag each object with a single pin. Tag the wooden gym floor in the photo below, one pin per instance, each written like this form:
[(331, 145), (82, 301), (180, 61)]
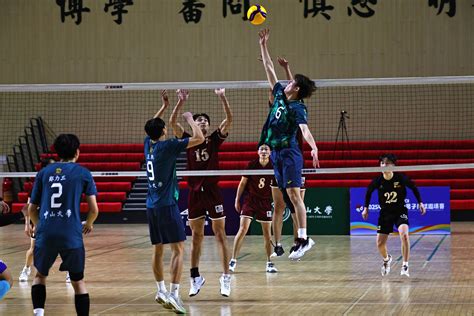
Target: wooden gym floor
[(340, 276)]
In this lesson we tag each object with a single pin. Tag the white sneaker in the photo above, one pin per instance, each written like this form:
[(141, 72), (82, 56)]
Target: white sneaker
[(176, 304), (301, 248), (385, 270), (405, 271), (196, 284), (163, 299), (25, 273), (271, 267), (225, 285), (68, 278), (232, 264)]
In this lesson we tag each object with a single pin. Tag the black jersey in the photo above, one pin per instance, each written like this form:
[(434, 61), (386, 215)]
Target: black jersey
[(392, 193)]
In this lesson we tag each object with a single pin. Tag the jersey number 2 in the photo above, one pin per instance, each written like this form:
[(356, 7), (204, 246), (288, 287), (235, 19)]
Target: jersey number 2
[(56, 195)]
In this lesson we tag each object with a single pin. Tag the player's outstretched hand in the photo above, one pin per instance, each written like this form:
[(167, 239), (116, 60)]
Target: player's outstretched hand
[(4, 208), (283, 62), (422, 209), (237, 206), (182, 94), (264, 35), (314, 154), (188, 116), (86, 228), (220, 92), (365, 214), (164, 97)]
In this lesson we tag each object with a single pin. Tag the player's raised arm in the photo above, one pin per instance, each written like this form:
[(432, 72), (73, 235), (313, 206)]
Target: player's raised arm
[(286, 66), (310, 140), (266, 59), (197, 138), (178, 130), (164, 105), (227, 122)]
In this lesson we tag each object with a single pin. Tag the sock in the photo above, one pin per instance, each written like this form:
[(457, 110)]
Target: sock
[(38, 312), (38, 295), (278, 243), (386, 259), (233, 259), (302, 233), (226, 275), (82, 303), (195, 272), (4, 288), (405, 263), (161, 286), (174, 289)]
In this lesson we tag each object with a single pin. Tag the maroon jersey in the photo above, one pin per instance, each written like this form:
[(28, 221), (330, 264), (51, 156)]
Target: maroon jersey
[(259, 185), (204, 157)]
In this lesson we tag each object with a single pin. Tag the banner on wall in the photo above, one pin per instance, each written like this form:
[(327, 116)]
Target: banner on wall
[(326, 213), (437, 219)]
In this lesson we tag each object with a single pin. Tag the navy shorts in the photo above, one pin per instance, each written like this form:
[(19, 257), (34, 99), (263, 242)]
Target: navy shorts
[(287, 164), (390, 218), (3, 266), (73, 260), (165, 225)]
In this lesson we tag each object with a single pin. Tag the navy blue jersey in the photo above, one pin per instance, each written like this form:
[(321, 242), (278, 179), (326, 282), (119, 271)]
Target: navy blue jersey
[(283, 121), (161, 171), (57, 191)]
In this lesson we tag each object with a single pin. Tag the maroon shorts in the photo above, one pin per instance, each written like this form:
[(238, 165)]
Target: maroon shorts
[(260, 208), (207, 201)]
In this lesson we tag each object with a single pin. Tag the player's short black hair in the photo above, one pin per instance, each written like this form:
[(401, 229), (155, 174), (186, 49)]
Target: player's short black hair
[(66, 146), (306, 85), (195, 116), (390, 157), (154, 128)]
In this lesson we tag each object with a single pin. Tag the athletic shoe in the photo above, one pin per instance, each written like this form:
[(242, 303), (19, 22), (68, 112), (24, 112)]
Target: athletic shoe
[(68, 278), (25, 273), (225, 285), (271, 267), (385, 270), (162, 298), (196, 284), (176, 304), (232, 264), (277, 251), (405, 271), (302, 246)]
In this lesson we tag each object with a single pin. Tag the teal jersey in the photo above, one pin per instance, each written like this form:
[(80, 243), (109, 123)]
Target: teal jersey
[(160, 159), (283, 121)]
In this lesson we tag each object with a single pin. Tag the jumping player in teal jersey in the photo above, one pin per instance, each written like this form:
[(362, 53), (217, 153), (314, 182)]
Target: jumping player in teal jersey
[(286, 115)]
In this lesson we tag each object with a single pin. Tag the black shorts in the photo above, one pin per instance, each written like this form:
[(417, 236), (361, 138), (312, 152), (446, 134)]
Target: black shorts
[(165, 225), (390, 218), (73, 259)]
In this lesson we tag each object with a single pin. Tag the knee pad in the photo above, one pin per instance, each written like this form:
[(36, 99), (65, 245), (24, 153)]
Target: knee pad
[(76, 276)]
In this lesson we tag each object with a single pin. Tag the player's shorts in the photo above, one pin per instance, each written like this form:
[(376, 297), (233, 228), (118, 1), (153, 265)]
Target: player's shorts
[(207, 201), (3, 266), (73, 260), (287, 164), (260, 208), (390, 218), (165, 225)]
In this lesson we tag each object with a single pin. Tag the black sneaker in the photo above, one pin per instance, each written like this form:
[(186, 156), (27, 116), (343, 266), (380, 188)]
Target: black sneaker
[(278, 251), (294, 247)]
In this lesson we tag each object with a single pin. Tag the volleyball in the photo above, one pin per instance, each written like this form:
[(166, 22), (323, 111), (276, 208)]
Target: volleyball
[(256, 14)]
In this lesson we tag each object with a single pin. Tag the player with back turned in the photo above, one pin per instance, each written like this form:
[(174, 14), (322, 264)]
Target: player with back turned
[(392, 192)]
